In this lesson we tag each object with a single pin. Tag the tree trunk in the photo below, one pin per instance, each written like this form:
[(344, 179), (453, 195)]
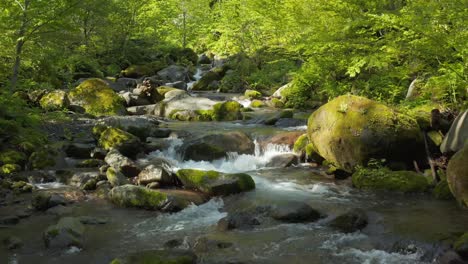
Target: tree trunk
[(184, 40), (19, 46)]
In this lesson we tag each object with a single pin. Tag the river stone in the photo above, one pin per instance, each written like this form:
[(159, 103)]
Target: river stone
[(124, 142), (350, 222), (205, 244), (214, 183), (350, 130), (174, 73), (142, 109), (154, 173), (385, 179), (457, 136), (295, 212), (140, 126), (123, 164), (127, 82), (286, 138), (138, 197), (179, 85), (238, 220), (55, 100), (283, 161), (116, 178), (457, 176), (216, 146), (158, 256), (66, 233)]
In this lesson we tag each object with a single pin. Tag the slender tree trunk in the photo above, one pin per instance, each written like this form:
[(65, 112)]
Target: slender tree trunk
[(184, 39), (19, 45)]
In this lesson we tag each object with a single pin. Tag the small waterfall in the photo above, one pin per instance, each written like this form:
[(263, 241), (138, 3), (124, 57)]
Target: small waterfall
[(197, 76), (233, 163)]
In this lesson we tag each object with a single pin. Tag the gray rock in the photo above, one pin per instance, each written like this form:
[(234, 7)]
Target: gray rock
[(121, 163), (290, 122), (90, 220), (79, 150), (174, 73), (116, 178), (142, 109), (128, 83), (204, 59), (154, 173), (283, 160), (179, 85), (295, 212), (239, 220)]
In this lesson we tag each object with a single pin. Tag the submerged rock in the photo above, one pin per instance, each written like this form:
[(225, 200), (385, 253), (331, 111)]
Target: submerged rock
[(457, 176), (67, 232), (351, 221), (385, 179), (239, 220), (158, 256), (295, 212), (350, 130), (215, 183)]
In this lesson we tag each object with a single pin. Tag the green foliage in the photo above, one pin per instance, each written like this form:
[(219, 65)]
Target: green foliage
[(385, 179)]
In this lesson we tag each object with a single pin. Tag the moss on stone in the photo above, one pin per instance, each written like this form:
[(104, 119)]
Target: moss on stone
[(42, 158), (115, 177), (227, 111), (55, 100), (97, 98), (442, 191), (138, 197), (277, 103), (162, 90), (385, 179), (350, 130), (90, 163), (10, 156), (257, 104), (301, 143), (461, 244), (137, 71), (287, 114), (206, 80), (9, 169), (123, 141), (422, 114), (457, 175), (252, 94), (435, 137)]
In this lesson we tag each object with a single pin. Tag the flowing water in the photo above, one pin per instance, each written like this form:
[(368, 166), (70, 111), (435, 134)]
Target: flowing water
[(402, 228)]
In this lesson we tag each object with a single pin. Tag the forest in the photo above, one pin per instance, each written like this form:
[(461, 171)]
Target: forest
[(188, 131)]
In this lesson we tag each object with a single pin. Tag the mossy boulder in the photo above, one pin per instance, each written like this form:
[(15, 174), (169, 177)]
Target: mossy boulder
[(124, 142), (55, 100), (350, 130), (227, 111), (42, 158), (206, 80), (138, 197), (116, 178), (158, 257), (215, 183), (97, 98), (387, 180), (442, 191), (301, 143), (422, 114), (457, 176), (252, 94), (162, 90), (21, 187), (9, 169), (137, 71), (276, 103), (257, 104), (11, 156), (461, 246)]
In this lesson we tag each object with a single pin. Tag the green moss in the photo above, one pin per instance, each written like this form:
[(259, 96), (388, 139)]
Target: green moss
[(195, 178), (310, 149), (227, 111), (41, 159), (55, 100), (436, 137), (252, 94), (457, 176), (97, 98), (9, 169), (206, 80), (442, 191), (98, 129), (257, 104), (421, 113), (21, 187), (123, 141), (137, 71), (461, 243), (116, 261), (136, 196), (301, 143), (115, 177), (162, 90), (12, 157), (287, 114), (277, 103), (350, 130), (90, 163), (385, 179)]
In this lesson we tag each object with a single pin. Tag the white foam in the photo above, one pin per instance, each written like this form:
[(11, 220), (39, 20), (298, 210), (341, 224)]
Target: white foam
[(191, 218), (50, 185), (234, 162), (300, 128)]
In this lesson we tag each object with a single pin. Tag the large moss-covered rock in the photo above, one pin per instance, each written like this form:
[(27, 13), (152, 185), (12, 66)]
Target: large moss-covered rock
[(216, 146), (301, 143), (97, 98), (227, 111), (252, 94), (158, 257), (138, 197), (116, 178), (385, 179), (206, 80), (457, 175), (124, 142), (9, 169), (55, 100), (350, 130), (215, 183)]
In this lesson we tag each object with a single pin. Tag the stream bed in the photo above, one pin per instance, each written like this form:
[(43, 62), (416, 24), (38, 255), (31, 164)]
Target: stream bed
[(402, 228)]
